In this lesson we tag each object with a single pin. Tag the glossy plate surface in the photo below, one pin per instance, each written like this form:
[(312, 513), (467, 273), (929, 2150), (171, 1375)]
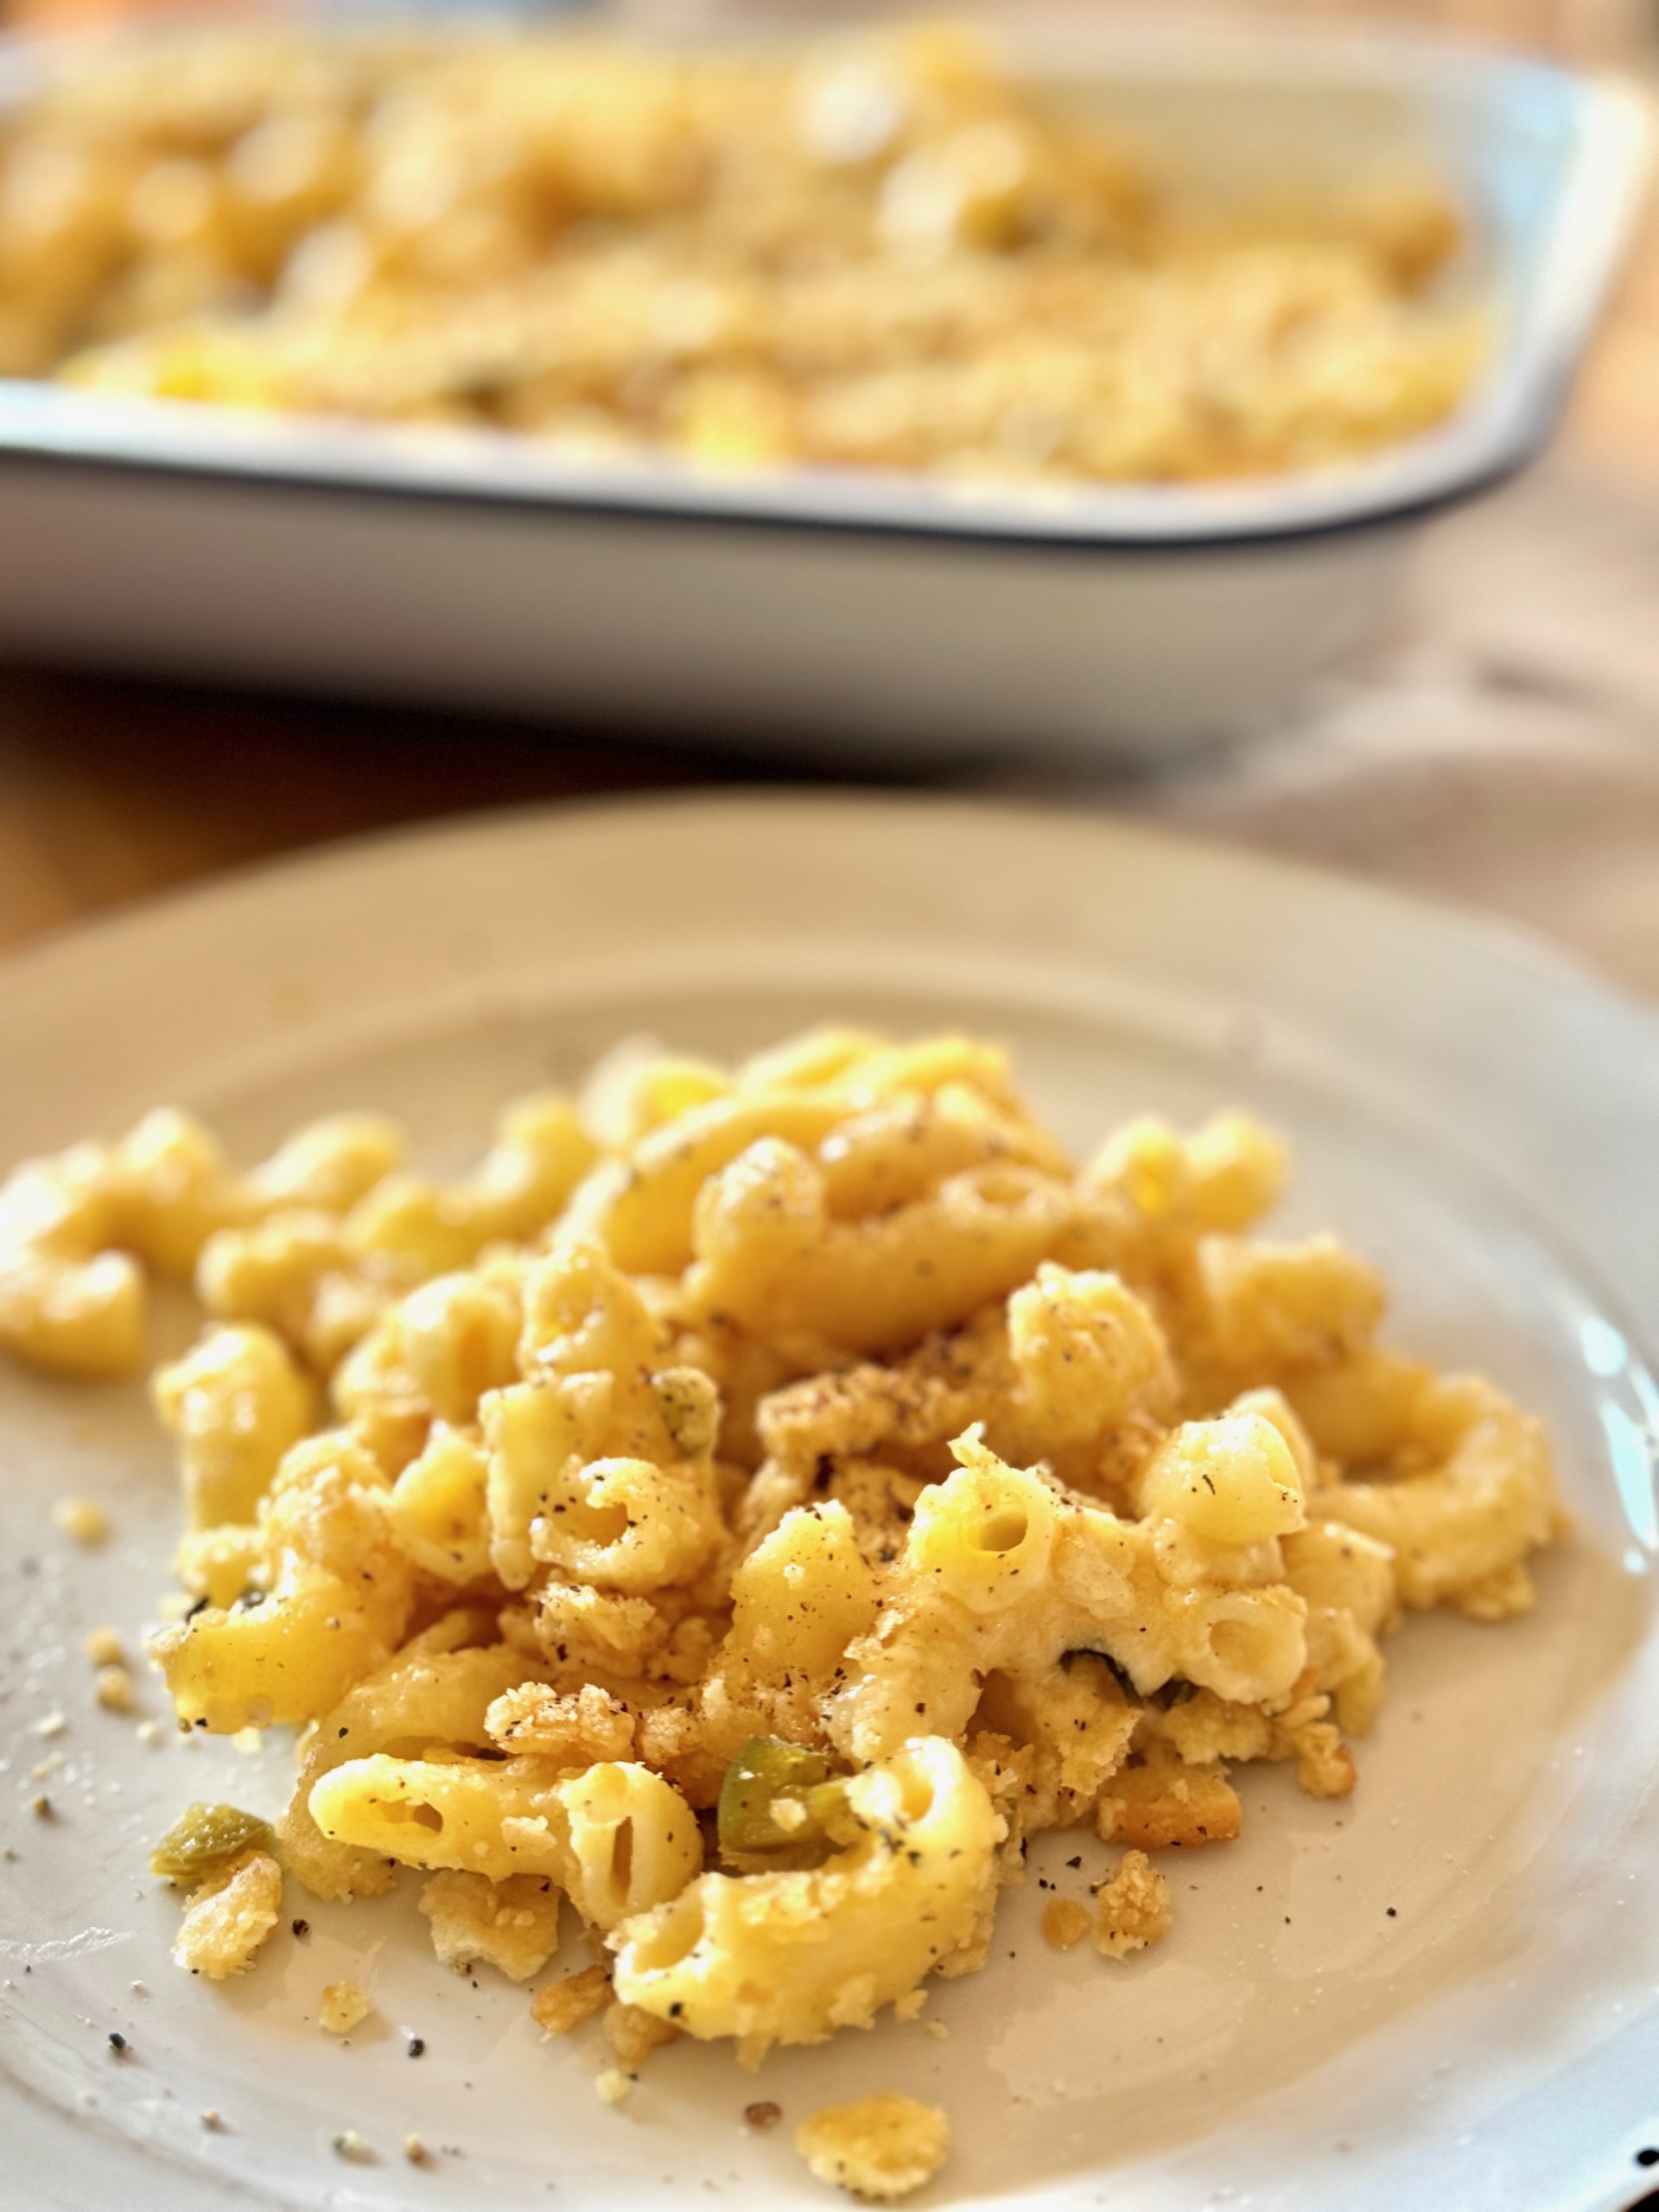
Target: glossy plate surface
[(1444, 1991)]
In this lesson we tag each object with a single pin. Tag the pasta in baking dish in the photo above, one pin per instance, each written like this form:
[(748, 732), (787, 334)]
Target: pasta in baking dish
[(753, 1502), (881, 251)]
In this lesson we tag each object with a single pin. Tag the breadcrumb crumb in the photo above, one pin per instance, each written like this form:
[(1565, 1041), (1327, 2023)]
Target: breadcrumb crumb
[(81, 1519), (113, 1689), (105, 1647), (229, 1917), (565, 2004), (879, 2148), (1325, 1765), (1064, 1922), (577, 1727), (1134, 1907), (1165, 1806), (633, 2034), (512, 1925), (416, 2152), (613, 2085), (343, 2006)]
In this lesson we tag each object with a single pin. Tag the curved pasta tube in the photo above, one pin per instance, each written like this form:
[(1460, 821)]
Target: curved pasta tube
[(977, 1535), (1487, 1499), (176, 1190), (1271, 1309), (898, 1150), (1347, 1581), (540, 1153), (626, 1524), (617, 1838), (790, 1957), (326, 1166), (438, 1690), (271, 1271), (555, 1499), (634, 1842), (582, 1315), (1230, 1482), (337, 1600), (1087, 1354), (438, 1511), (458, 1335), (641, 1208), (237, 1402), (802, 1595), (1003, 1572), (534, 1432), (69, 1303), (73, 1317), (1225, 1176), (769, 1254), (641, 1211)]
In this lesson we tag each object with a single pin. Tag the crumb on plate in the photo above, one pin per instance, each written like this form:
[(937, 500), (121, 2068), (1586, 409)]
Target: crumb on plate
[(879, 2148), (81, 1519), (512, 1925), (1134, 1908), (343, 2006), (614, 2086), (229, 1917), (1161, 1808), (565, 2004), (633, 2034), (1064, 1922)]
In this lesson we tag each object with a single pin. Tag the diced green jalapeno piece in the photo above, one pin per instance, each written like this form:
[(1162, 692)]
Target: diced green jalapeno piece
[(206, 1840), (757, 1825)]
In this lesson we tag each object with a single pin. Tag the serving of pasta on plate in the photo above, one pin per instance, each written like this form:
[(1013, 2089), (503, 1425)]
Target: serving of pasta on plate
[(748, 1508)]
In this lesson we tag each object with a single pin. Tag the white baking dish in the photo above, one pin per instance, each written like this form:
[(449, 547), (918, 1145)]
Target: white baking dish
[(854, 607)]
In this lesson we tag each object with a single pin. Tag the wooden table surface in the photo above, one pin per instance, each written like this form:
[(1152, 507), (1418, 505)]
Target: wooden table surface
[(111, 789)]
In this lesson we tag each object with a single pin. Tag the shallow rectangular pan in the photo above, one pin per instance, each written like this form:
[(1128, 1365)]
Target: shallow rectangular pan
[(871, 609)]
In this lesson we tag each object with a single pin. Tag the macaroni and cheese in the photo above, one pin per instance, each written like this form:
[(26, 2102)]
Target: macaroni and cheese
[(883, 252), (752, 1503)]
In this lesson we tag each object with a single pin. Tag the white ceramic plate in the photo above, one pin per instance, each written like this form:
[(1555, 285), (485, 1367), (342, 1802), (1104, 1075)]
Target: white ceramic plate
[(1444, 1993)]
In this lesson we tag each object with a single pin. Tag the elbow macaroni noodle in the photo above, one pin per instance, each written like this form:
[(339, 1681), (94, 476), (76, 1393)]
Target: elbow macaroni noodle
[(812, 1419)]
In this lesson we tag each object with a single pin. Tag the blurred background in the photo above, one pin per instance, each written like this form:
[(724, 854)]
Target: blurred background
[(1499, 745)]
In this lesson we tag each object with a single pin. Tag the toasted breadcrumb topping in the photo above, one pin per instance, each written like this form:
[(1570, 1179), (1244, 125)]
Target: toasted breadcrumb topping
[(229, 1918), (343, 2006), (512, 1925), (1064, 1922), (1134, 1909), (879, 2148), (564, 2005)]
